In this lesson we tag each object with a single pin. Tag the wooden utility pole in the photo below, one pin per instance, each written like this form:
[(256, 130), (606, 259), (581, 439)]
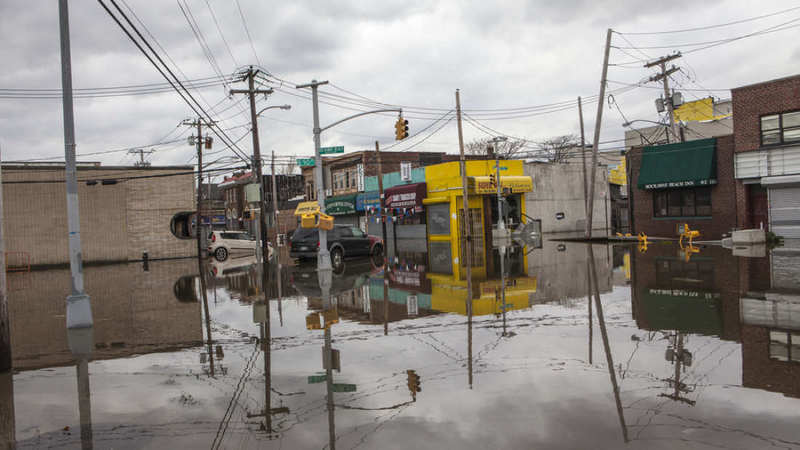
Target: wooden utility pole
[(583, 161), (251, 92), (664, 78), (466, 255), (385, 245), (596, 143)]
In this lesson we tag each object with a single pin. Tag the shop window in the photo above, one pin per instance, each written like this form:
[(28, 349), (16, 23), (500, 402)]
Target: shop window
[(439, 218), (779, 129), (784, 345), (687, 202)]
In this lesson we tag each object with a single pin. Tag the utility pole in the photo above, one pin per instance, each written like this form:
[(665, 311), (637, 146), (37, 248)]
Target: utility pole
[(141, 152), (251, 92), (501, 223), (79, 308), (385, 244), (466, 223), (583, 161), (324, 256), (664, 77), (597, 124), (5, 326), (199, 142)]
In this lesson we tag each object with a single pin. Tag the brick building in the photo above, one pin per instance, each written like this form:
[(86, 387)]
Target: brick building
[(123, 210), (767, 162), (689, 182)]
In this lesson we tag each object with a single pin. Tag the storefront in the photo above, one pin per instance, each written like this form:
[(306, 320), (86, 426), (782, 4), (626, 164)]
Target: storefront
[(679, 183), (404, 206), (343, 208), (444, 209), (368, 206)]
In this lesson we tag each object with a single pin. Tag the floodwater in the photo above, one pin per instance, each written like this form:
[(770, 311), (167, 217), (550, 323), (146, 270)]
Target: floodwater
[(663, 350)]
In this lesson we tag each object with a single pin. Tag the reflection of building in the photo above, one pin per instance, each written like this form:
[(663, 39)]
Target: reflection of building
[(562, 271), (699, 296), (124, 211), (134, 312), (770, 311)]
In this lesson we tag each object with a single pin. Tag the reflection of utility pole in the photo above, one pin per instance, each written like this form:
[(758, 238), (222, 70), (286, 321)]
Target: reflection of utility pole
[(329, 390), (7, 419), (594, 286), (385, 243), (681, 358), (81, 344), (268, 411)]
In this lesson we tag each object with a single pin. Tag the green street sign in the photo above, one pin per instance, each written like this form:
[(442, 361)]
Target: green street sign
[(305, 162), (317, 378), (344, 387), (330, 150)]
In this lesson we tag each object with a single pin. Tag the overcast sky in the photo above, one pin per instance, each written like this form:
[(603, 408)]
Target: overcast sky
[(501, 55)]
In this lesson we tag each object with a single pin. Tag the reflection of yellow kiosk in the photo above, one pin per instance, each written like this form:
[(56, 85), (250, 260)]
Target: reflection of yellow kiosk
[(445, 211), (450, 295)]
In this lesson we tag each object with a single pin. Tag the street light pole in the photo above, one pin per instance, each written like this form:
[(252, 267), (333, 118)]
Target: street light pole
[(79, 308), (323, 256)]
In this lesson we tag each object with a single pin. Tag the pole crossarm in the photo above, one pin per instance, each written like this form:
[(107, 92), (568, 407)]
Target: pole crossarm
[(400, 110), (255, 91)]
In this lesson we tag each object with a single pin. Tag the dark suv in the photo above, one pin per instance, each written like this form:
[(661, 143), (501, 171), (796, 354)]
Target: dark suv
[(343, 240)]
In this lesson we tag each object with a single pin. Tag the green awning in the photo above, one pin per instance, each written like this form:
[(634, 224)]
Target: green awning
[(679, 165), (341, 205)]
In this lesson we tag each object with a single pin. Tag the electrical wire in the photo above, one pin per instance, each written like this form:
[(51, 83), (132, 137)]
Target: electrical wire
[(247, 31), (709, 27), (221, 34)]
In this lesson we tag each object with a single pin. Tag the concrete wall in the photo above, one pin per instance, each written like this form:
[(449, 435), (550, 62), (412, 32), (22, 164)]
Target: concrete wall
[(134, 311), (118, 221), (558, 188)]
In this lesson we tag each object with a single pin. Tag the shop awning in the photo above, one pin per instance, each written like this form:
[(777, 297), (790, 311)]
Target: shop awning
[(341, 205), (679, 165), (514, 184), (367, 200), (306, 208), (406, 195)]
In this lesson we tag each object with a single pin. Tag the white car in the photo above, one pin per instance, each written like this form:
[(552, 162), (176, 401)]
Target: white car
[(222, 243)]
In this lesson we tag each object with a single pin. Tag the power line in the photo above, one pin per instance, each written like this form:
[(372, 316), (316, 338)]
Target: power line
[(217, 131), (247, 31), (221, 35), (708, 27)]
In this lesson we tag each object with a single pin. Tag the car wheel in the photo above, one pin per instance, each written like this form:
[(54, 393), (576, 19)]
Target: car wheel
[(377, 250), (221, 253), (337, 257)]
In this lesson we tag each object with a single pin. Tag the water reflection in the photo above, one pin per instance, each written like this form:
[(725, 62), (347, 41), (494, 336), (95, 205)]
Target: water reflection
[(293, 358)]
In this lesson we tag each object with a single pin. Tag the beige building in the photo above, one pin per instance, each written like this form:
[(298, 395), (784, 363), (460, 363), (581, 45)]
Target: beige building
[(124, 211)]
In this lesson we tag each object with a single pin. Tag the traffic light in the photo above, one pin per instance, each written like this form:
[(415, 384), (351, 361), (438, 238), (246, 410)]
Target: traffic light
[(413, 383), (492, 180), (401, 129)]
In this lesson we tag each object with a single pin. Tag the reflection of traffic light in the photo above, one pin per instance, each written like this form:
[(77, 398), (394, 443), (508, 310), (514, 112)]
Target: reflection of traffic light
[(401, 129), (413, 383)]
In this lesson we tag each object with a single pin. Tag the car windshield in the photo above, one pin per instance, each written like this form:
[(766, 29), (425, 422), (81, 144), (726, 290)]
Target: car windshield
[(302, 234)]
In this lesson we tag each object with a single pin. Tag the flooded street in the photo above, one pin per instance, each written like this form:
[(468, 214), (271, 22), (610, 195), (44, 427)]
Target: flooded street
[(662, 351)]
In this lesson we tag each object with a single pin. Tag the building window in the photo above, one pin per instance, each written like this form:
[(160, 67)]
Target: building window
[(784, 345), (779, 129), (688, 202)]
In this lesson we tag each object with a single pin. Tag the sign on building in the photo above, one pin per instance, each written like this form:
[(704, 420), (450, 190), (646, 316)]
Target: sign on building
[(412, 307), (360, 179), (405, 171)]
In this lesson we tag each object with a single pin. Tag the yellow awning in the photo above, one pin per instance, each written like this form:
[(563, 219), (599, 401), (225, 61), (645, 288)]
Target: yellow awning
[(307, 208), (516, 184)]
